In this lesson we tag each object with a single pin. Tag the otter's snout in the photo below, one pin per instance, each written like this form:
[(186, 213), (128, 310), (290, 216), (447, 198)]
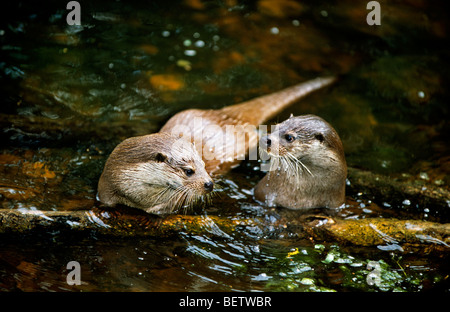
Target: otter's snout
[(209, 186)]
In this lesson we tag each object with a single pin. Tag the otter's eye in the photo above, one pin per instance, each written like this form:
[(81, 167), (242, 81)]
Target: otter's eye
[(189, 172), (289, 138)]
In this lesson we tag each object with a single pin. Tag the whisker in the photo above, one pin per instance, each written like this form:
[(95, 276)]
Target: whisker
[(295, 168), (178, 198), (215, 194), (274, 162), (160, 194), (298, 161), (182, 201)]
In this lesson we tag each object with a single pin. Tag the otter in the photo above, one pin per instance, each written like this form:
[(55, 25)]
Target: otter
[(158, 173), (146, 172), (223, 137), (307, 165)]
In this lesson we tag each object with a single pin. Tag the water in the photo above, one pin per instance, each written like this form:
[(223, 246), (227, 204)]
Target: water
[(71, 93)]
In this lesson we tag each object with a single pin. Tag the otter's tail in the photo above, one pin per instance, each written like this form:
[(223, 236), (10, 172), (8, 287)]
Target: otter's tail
[(266, 107)]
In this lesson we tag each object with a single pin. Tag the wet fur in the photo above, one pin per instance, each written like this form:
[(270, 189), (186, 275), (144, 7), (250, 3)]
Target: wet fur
[(309, 172), (148, 172), (244, 116)]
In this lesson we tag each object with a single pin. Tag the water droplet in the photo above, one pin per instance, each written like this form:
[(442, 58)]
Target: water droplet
[(261, 277), (199, 43), (421, 94), (406, 202), (274, 31), (165, 33), (190, 52), (307, 281)]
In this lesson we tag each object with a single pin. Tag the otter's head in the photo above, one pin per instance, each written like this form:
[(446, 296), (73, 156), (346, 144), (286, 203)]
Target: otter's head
[(158, 173), (307, 143), (309, 163)]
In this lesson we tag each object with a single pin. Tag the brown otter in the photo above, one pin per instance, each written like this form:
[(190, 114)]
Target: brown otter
[(156, 172), (223, 137), (144, 172), (308, 167)]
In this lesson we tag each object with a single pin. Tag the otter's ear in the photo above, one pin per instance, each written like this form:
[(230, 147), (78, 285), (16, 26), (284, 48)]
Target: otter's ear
[(160, 157), (319, 136)]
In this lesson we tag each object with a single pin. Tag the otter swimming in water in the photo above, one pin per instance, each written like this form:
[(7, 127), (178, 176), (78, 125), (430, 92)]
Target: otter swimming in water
[(158, 173), (308, 167)]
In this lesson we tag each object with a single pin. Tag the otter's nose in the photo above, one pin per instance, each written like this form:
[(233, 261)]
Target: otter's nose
[(209, 186), (265, 142)]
